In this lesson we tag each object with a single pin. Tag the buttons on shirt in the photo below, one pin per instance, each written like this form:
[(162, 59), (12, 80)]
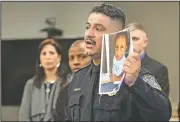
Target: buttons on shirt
[(133, 88)]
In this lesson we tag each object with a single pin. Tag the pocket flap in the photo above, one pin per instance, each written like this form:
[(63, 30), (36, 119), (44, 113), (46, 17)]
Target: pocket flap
[(75, 99), (109, 103), (108, 106)]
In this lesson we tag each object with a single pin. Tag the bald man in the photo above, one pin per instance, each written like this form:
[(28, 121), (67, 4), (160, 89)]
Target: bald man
[(77, 56), (159, 70), (77, 60)]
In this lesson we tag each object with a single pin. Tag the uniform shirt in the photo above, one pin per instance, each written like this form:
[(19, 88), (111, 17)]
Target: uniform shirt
[(141, 102), (91, 92)]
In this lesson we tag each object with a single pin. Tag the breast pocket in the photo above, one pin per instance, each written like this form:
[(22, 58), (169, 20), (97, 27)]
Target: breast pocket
[(74, 107), (112, 108)]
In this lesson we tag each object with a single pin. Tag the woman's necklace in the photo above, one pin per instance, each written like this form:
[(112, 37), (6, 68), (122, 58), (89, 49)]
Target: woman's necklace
[(48, 83)]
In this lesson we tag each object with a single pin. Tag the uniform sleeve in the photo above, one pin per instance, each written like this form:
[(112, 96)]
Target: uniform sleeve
[(163, 79), (25, 108), (151, 102)]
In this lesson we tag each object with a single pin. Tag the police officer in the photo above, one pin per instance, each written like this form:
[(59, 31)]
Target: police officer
[(77, 56), (139, 98), (77, 60)]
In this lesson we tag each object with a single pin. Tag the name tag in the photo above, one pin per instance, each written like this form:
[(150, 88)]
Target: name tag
[(77, 89)]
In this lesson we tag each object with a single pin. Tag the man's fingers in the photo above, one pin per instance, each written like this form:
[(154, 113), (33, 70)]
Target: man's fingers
[(127, 69), (131, 59), (135, 55), (137, 50), (127, 63)]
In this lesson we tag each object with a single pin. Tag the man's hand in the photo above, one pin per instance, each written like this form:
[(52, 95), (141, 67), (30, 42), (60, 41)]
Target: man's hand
[(115, 78), (131, 67)]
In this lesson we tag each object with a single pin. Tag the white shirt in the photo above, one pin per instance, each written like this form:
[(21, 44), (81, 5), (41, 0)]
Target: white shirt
[(117, 66)]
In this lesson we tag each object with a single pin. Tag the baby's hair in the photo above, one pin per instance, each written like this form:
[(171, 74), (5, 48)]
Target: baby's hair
[(127, 36), (122, 34)]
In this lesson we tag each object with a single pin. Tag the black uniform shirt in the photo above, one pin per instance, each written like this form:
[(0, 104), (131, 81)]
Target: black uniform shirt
[(142, 102), (89, 88)]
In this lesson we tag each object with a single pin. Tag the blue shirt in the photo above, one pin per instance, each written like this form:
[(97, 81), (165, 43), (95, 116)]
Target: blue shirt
[(142, 56)]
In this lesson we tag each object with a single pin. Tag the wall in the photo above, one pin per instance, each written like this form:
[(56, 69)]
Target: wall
[(25, 19), (161, 19), (10, 113)]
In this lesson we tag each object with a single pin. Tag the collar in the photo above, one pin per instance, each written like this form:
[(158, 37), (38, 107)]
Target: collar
[(142, 56), (95, 68)]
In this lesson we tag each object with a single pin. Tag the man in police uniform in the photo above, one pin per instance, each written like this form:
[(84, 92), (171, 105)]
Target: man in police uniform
[(138, 98), (77, 56), (77, 60)]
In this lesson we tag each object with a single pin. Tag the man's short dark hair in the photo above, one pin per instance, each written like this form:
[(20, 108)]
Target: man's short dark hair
[(111, 11)]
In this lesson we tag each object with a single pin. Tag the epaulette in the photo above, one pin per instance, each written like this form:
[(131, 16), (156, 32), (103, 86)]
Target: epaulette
[(82, 69), (147, 76)]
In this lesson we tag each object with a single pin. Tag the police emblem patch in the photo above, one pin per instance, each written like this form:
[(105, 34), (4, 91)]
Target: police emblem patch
[(148, 78)]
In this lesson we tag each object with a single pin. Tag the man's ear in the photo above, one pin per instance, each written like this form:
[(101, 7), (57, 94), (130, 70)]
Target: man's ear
[(146, 41)]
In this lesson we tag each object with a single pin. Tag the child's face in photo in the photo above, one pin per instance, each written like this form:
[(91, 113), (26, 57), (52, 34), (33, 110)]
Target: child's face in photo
[(120, 47)]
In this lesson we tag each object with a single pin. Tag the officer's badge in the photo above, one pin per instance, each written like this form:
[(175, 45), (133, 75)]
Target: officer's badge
[(150, 79), (77, 89)]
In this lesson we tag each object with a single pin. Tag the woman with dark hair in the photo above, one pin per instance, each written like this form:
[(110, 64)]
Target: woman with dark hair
[(41, 92)]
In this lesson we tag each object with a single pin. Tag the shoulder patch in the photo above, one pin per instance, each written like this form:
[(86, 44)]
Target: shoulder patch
[(150, 79)]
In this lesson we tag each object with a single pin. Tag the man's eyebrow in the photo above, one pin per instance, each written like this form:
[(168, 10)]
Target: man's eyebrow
[(70, 54), (87, 23), (97, 24), (134, 37), (100, 25)]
